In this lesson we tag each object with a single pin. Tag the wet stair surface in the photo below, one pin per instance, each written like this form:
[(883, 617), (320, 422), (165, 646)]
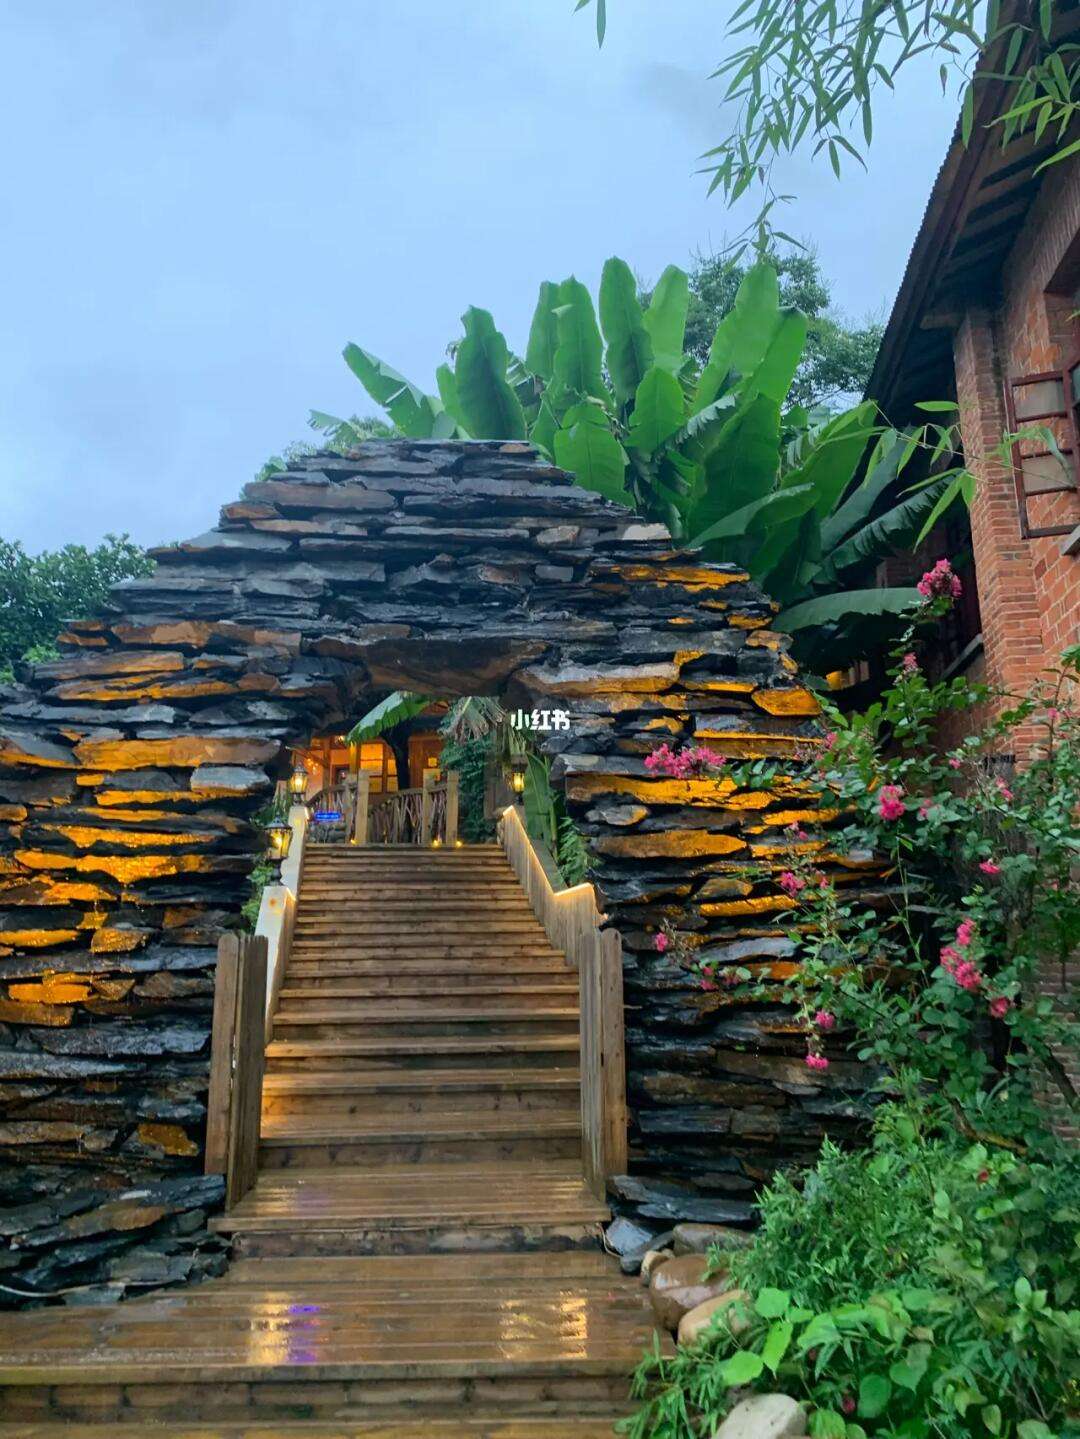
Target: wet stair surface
[(420, 1252)]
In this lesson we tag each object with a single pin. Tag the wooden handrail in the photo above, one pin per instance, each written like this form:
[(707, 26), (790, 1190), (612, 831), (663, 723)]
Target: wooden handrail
[(572, 920)]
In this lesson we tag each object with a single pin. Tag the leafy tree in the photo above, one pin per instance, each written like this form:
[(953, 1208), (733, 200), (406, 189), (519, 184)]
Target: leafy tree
[(40, 593), (810, 75), (838, 357), (704, 445)]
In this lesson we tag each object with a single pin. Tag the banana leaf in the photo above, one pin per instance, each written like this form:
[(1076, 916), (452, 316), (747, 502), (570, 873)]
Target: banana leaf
[(629, 348), (395, 709), (665, 319), (486, 399), (410, 409)]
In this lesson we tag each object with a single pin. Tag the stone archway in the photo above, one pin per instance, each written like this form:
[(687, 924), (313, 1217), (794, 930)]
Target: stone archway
[(131, 769)]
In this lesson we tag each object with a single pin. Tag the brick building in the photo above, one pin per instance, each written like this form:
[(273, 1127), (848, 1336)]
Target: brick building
[(987, 314)]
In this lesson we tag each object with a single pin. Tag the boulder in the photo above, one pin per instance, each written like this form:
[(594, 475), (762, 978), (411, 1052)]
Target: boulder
[(653, 1260), (681, 1285), (764, 1416), (696, 1321), (699, 1238)]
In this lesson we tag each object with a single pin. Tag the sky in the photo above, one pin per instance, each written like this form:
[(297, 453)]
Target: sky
[(204, 200)]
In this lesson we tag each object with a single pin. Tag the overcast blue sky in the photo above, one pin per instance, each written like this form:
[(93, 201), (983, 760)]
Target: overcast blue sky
[(205, 199)]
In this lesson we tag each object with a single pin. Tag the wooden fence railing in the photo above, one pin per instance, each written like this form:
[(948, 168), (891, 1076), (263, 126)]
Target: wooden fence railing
[(234, 1102), (416, 816), (572, 921)]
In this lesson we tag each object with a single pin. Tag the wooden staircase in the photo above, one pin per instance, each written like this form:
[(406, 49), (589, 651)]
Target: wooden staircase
[(420, 1251)]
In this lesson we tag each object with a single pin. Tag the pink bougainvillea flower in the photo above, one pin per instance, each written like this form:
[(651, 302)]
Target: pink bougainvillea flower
[(661, 942), (989, 867), (796, 830), (910, 664), (816, 1061), (1053, 714), (925, 810), (829, 742), (954, 762), (940, 583), (1004, 791), (965, 932), (825, 1020), (847, 1403), (708, 978), (791, 884), (1000, 1006), (890, 803)]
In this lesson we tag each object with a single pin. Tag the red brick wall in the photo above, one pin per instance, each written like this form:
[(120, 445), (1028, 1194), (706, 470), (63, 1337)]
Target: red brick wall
[(1029, 592)]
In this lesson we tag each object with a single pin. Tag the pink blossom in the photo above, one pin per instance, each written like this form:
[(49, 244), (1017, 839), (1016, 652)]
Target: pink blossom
[(661, 942), (966, 974), (989, 867), (816, 1061), (910, 664), (925, 811), (825, 1020), (796, 830), (829, 742), (954, 762), (729, 977), (940, 583), (708, 977), (1004, 791), (890, 805), (965, 932), (1000, 1006), (847, 1403), (791, 884), (1053, 715)]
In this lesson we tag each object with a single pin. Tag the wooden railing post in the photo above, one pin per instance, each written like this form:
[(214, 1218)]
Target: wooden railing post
[(363, 808), (219, 1097), (427, 808), (234, 1106), (453, 801)]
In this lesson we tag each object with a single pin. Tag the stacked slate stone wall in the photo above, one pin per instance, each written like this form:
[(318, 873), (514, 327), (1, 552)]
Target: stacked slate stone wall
[(132, 770)]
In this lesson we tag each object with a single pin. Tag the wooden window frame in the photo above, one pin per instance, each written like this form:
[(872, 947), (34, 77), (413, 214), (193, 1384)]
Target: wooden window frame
[(1069, 415)]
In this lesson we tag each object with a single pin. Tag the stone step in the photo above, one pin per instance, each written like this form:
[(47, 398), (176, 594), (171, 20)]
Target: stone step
[(462, 1138)]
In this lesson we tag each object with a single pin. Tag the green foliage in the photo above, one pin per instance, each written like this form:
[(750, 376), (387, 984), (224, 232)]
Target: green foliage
[(40, 593), (338, 436), (928, 1284), (800, 76), (395, 709), (470, 758), (701, 441)]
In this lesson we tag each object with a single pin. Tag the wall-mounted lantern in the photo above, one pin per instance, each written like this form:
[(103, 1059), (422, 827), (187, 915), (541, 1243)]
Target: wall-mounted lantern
[(278, 838), (518, 766), (298, 780)]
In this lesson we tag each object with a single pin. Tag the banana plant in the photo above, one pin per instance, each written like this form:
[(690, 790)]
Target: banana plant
[(608, 393)]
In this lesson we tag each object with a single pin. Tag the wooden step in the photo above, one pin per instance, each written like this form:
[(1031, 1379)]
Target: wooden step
[(349, 1000), (466, 953), (447, 1208), (405, 1426), (462, 1138), (382, 977), (470, 1336), (407, 1022), (431, 1052), (416, 1092)]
